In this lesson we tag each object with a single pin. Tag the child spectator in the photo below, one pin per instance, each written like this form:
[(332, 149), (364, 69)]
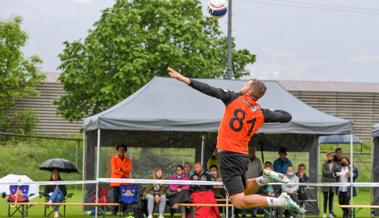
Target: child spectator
[(156, 193)]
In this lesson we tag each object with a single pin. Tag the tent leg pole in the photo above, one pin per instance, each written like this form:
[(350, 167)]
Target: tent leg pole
[(202, 149), (83, 168), (351, 168), (97, 170), (318, 168), (372, 171), (76, 158)]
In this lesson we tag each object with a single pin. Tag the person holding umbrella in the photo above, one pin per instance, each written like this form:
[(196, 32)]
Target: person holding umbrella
[(121, 168), (55, 193)]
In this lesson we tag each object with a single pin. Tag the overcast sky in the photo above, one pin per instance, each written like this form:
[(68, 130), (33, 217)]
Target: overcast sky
[(333, 40)]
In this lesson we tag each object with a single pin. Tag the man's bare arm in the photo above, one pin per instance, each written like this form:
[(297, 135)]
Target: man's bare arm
[(223, 94), (174, 74)]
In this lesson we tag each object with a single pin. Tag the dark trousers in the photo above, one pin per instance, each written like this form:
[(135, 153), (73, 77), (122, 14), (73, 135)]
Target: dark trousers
[(344, 199), (328, 197), (116, 198)]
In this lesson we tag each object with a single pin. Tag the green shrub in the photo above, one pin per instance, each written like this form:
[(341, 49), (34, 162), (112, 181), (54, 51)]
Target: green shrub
[(21, 122)]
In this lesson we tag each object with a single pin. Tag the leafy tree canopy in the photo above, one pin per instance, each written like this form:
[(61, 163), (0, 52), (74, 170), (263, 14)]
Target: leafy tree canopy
[(134, 41)]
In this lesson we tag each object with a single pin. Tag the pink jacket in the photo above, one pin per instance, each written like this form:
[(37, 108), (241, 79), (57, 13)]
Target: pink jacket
[(173, 187)]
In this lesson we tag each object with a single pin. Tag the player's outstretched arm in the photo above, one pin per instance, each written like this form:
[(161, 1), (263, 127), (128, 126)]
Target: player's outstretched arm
[(276, 116), (174, 74), (225, 95)]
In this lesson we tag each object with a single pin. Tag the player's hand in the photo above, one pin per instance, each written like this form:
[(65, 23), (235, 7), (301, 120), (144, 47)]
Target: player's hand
[(157, 199), (175, 74)]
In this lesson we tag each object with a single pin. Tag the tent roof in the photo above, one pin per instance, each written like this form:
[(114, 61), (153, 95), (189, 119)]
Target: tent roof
[(375, 130), (165, 104), (339, 139)]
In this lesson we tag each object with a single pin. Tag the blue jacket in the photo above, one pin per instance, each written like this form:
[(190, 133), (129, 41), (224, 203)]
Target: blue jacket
[(281, 167)]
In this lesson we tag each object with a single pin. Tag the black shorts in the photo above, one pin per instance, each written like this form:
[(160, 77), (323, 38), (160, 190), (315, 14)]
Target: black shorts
[(233, 171)]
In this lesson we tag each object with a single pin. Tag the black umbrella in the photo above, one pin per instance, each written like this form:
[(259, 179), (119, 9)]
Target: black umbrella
[(60, 164)]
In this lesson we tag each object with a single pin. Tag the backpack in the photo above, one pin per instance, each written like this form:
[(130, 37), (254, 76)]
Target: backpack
[(128, 194), (133, 212), (103, 196), (18, 193)]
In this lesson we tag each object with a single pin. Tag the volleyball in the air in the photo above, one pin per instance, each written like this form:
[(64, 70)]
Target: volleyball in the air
[(217, 8)]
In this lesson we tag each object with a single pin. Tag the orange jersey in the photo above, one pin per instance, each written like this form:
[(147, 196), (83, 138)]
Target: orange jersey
[(242, 118), (121, 168)]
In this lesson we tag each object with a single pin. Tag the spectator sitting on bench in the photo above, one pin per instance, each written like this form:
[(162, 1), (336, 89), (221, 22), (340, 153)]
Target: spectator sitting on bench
[(218, 190), (156, 193), (291, 189), (187, 169), (268, 189), (213, 160), (178, 193), (55, 193), (303, 178), (202, 194)]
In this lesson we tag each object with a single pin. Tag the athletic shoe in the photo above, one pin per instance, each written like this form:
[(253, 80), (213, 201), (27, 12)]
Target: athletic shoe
[(274, 176), (160, 216), (150, 216), (324, 216), (331, 215), (290, 204)]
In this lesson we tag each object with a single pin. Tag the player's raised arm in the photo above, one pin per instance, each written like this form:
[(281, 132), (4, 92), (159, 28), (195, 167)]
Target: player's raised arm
[(225, 95), (276, 116), (174, 74)]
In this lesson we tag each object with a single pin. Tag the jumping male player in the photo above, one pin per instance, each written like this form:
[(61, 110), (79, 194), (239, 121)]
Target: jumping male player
[(243, 116)]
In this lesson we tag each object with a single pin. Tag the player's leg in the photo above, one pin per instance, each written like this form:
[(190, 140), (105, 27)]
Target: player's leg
[(241, 200), (252, 185), (233, 170)]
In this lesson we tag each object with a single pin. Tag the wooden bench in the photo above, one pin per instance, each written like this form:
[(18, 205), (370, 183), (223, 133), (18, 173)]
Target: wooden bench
[(26, 205), (358, 206)]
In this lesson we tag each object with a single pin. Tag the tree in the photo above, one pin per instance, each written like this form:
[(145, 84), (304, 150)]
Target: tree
[(134, 41), (19, 76)]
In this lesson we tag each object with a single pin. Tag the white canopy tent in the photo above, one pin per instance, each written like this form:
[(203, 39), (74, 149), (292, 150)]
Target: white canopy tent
[(17, 179)]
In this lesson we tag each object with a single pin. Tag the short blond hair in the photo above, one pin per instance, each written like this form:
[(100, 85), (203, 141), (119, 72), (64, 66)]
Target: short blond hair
[(258, 88)]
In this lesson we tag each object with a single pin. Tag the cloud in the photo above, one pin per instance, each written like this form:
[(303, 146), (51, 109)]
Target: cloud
[(365, 58), (82, 1)]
